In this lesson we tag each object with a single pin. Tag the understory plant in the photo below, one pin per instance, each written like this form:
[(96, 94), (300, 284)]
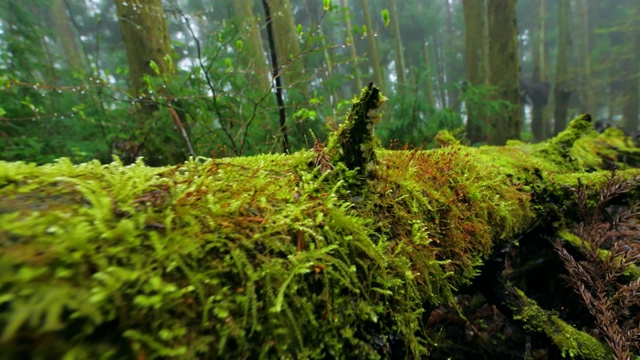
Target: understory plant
[(604, 272)]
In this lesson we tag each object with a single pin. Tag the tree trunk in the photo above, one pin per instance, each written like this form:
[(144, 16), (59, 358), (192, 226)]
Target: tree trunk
[(562, 92), (504, 69), (539, 75), (440, 70), (398, 51), (475, 59), (287, 43), (329, 60), (146, 39), (66, 36), (253, 58), (374, 54), (631, 67), (276, 73), (451, 55), (147, 46), (352, 45), (430, 79), (588, 100)]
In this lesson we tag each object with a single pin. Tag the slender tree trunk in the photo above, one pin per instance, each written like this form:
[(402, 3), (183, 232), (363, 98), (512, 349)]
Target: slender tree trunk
[(253, 58), (562, 92), (147, 46), (631, 66), (328, 57), (425, 48), (276, 76), (588, 99), (397, 43), (352, 44), (146, 40), (539, 67), (287, 44), (475, 59), (374, 54), (504, 69), (440, 76), (66, 35), (451, 55), (50, 74)]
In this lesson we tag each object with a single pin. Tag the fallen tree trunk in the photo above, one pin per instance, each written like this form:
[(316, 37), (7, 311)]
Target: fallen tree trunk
[(278, 256)]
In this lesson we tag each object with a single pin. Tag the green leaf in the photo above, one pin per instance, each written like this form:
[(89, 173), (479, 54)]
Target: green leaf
[(385, 17), (327, 4), (239, 45), (2, 111), (155, 67), (299, 29)]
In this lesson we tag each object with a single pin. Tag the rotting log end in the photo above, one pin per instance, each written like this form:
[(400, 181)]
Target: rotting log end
[(355, 141)]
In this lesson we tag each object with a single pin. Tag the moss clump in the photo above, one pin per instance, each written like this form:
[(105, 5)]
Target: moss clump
[(571, 342), (249, 257)]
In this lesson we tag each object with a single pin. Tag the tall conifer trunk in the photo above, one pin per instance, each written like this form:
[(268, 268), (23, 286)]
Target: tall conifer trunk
[(374, 54), (397, 43), (504, 69), (147, 46), (254, 58), (562, 92), (475, 59), (538, 121)]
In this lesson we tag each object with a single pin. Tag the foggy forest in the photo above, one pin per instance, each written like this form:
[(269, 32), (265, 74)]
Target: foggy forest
[(319, 179), (78, 80)]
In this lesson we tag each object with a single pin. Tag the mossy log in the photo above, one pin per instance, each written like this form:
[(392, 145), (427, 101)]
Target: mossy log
[(275, 256)]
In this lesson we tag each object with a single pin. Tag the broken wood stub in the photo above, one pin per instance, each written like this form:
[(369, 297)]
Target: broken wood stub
[(355, 137)]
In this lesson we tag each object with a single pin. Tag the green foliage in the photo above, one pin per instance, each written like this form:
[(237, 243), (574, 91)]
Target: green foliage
[(415, 122), (385, 17)]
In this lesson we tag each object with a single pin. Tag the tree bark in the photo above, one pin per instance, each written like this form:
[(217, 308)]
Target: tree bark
[(66, 36), (504, 70), (631, 67), (430, 79), (562, 92), (287, 43), (374, 54), (146, 39), (252, 56), (440, 70), (352, 45), (538, 121), (588, 99), (451, 56), (277, 78), (475, 60), (398, 50)]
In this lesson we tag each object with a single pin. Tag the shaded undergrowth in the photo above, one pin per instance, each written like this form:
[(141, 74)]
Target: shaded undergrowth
[(602, 266)]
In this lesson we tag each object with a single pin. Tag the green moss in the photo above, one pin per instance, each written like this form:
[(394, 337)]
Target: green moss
[(255, 257), (243, 256), (571, 342)]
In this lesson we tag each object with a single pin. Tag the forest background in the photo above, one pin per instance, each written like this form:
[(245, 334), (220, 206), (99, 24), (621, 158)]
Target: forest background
[(171, 79)]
